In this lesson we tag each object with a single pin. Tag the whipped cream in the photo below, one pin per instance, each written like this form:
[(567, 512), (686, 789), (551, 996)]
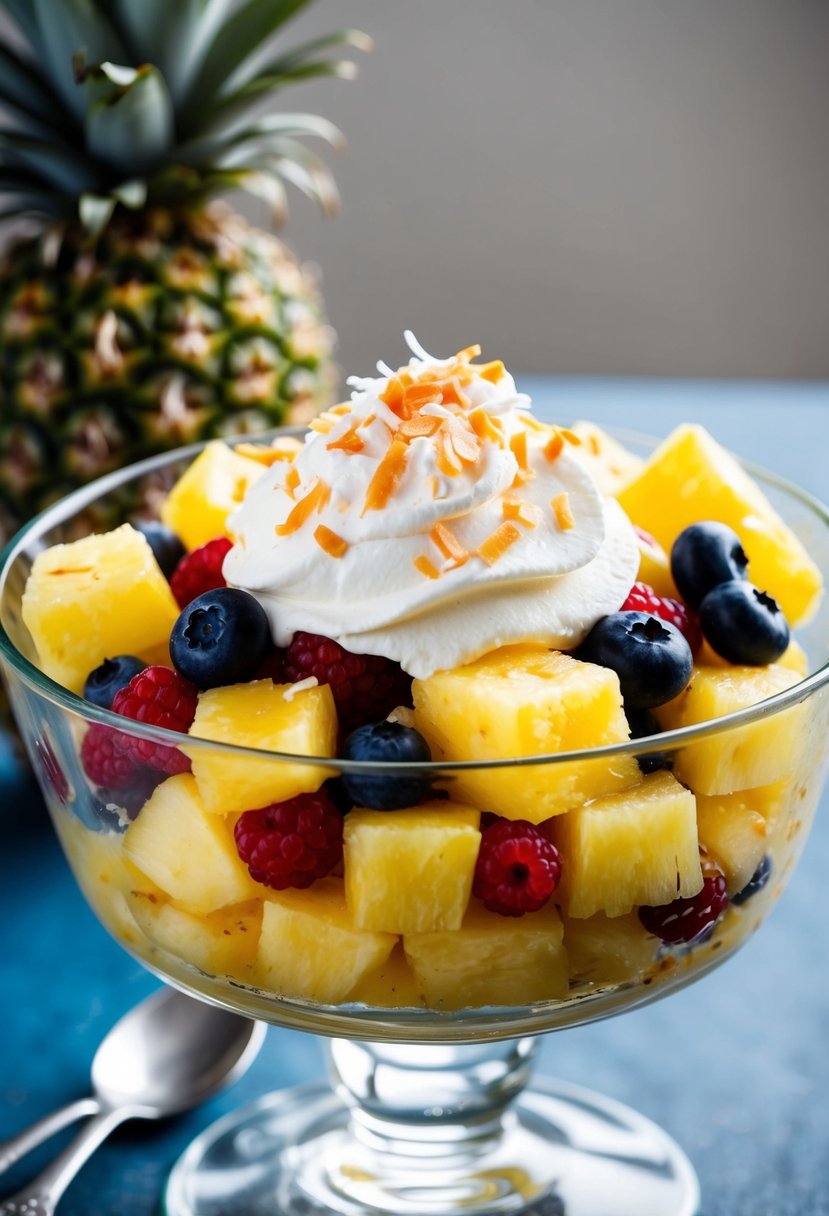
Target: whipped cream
[(430, 519)]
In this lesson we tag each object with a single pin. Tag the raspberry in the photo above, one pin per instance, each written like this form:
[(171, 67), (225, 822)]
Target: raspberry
[(293, 843), (104, 758), (643, 598), (200, 571), (692, 919), (158, 696), (517, 869), (366, 687)]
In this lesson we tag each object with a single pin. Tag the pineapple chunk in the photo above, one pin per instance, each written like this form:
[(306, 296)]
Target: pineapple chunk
[(690, 477), (525, 701), (411, 872), (794, 658), (95, 597), (491, 960), (735, 833), (189, 854), (310, 947), (392, 985), (220, 943), (741, 759), (636, 847), (611, 464), (654, 565), (271, 717), (198, 506), (608, 950), (103, 873)]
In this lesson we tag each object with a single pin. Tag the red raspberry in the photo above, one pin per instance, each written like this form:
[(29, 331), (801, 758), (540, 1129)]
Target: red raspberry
[(366, 687), (158, 696), (293, 843), (688, 920), (104, 758), (517, 869), (200, 571), (643, 598)]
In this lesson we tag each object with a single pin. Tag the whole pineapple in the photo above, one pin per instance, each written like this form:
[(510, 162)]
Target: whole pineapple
[(141, 315)]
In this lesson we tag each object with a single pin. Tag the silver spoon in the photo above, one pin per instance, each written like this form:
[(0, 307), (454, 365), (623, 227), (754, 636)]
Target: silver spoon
[(165, 1056)]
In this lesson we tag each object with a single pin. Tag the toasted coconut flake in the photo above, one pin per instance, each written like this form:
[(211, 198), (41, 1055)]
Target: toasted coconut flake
[(518, 447), (268, 455), (314, 500), (419, 425), (291, 691), (387, 475), (349, 442), (425, 567), (523, 512), (570, 436), (468, 352), (563, 512), (487, 427), (449, 545), (418, 395), (493, 371), (324, 423), (497, 543), (555, 447), (328, 541), (292, 481)]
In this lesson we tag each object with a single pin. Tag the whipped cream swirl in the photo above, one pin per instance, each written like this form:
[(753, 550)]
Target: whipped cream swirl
[(431, 519)]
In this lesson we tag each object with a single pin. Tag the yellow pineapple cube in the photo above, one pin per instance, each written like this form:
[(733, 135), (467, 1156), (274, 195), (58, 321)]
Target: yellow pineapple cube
[(103, 873), (611, 464), (759, 754), (623, 850), (734, 834), (310, 947), (794, 658), (215, 484), (608, 950), (270, 717), (491, 960), (189, 854), (690, 478), (93, 598), (525, 701), (220, 943), (410, 872), (392, 985)]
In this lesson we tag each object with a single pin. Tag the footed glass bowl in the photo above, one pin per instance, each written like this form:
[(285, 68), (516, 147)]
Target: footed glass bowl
[(432, 1020)]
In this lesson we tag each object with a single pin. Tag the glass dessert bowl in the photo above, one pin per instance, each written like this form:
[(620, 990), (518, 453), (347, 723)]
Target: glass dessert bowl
[(535, 868)]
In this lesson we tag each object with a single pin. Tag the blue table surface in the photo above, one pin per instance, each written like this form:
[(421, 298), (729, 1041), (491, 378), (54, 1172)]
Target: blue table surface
[(736, 1067)]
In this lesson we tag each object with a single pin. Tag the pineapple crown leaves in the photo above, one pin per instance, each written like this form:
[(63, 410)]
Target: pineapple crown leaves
[(158, 102)]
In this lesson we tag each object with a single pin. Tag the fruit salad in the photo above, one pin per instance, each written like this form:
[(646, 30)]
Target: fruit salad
[(419, 667)]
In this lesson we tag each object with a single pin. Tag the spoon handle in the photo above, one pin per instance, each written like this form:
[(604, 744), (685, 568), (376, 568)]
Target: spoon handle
[(18, 1146), (41, 1197)]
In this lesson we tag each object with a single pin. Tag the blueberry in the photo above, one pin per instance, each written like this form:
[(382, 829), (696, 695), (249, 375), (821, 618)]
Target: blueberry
[(221, 637), (166, 546), (744, 625), (756, 883), (642, 724), (113, 674), (650, 656), (392, 743), (703, 556)]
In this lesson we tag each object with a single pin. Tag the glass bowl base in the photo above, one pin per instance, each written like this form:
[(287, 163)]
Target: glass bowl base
[(559, 1151)]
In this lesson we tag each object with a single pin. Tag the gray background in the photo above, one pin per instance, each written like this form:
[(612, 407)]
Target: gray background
[(605, 186)]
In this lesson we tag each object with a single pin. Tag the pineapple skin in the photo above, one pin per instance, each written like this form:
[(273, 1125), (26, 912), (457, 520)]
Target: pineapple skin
[(172, 327)]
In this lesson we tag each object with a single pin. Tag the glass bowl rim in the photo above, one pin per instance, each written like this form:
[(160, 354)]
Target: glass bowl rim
[(67, 700)]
